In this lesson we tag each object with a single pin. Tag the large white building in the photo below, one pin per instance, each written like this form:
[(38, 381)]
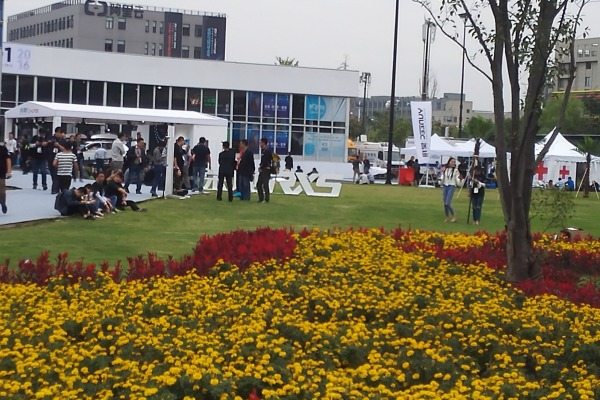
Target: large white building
[(304, 111)]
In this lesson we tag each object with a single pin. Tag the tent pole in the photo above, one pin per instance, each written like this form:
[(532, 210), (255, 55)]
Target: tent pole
[(581, 183)]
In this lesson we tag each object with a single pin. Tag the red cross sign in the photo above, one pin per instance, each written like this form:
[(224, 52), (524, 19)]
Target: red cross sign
[(564, 172), (541, 171)]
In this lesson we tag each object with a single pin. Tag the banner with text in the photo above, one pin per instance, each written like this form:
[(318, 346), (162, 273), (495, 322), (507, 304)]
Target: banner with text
[(421, 122)]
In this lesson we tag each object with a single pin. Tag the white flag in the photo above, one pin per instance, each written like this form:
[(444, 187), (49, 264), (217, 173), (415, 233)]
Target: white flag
[(421, 122)]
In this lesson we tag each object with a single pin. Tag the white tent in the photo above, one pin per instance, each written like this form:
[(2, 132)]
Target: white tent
[(466, 149), (560, 162), (439, 147), (560, 150), (189, 124)]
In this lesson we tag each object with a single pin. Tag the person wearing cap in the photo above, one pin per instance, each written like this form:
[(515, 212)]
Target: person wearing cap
[(226, 167), (201, 158)]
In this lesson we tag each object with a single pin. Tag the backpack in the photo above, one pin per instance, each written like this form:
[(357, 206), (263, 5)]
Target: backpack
[(275, 163)]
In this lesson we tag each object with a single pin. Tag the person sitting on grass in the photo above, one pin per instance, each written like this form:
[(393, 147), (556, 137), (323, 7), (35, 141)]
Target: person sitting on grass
[(117, 194), (72, 202), (103, 203)]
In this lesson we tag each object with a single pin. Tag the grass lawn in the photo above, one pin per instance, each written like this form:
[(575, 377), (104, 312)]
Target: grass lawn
[(172, 227)]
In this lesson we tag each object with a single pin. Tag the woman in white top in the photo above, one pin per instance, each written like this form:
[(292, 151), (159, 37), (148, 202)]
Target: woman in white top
[(450, 180)]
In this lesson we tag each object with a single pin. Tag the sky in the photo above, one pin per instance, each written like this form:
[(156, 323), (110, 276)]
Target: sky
[(331, 33)]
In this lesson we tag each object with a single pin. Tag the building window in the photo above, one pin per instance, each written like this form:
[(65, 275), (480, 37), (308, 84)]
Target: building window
[(153, 49), (110, 23), (108, 45), (198, 30), (161, 28), (588, 65), (197, 52), (121, 46), (160, 49), (153, 26), (147, 26), (79, 92), (146, 46), (580, 52), (186, 30), (185, 51), (96, 93), (588, 81), (122, 24)]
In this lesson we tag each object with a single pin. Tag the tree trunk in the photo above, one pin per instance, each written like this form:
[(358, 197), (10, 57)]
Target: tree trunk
[(586, 176), (519, 251)]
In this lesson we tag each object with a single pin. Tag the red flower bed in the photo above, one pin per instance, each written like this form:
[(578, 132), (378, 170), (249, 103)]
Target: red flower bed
[(240, 248), (561, 270)]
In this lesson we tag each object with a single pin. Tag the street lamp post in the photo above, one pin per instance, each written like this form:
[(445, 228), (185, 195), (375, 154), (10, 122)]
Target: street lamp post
[(463, 16), (428, 38), (388, 175), (365, 79)]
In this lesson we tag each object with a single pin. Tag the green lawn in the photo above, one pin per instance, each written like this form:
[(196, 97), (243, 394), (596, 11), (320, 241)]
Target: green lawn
[(172, 227)]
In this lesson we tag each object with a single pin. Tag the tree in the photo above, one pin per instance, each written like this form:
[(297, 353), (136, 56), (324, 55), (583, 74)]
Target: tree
[(589, 146), (518, 42), (355, 128), (378, 128), (479, 127), (288, 62), (573, 114)]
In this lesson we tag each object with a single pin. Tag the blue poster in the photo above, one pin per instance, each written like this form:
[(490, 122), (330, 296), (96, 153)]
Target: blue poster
[(269, 135), (315, 108), (253, 137), (282, 142), (283, 106), (310, 144), (269, 105), (254, 104)]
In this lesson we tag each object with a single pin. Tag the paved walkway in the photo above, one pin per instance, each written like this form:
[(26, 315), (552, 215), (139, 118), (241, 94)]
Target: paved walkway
[(26, 204)]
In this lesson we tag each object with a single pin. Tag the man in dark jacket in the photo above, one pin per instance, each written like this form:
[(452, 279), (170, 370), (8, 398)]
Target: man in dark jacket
[(70, 202), (245, 169), (226, 168), (264, 171)]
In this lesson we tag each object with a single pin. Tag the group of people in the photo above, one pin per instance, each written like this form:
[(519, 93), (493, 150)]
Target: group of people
[(452, 178), (364, 177), (92, 201), (54, 155)]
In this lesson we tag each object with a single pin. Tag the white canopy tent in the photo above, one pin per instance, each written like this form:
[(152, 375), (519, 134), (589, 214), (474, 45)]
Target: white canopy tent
[(560, 150), (189, 124), (560, 162), (439, 147), (466, 149)]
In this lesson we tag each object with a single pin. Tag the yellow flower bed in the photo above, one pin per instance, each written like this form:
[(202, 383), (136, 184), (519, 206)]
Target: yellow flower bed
[(351, 316)]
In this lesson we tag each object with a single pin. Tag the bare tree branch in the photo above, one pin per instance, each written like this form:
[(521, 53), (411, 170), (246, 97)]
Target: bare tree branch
[(452, 38)]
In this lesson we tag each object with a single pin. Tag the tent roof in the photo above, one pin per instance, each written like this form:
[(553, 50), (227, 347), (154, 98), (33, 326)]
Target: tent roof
[(465, 149), (38, 109), (561, 149)]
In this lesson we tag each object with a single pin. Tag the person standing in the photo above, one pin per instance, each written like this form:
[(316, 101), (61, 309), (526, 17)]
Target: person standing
[(54, 145), (355, 170), (136, 156), (100, 155), (226, 168), (477, 193), (264, 172), (117, 153), (159, 162), (201, 159), (416, 172), (289, 162), (5, 173), (178, 164), (366, 165), (78, 150), (65, 164), (450, 180), (39, 159), (245, 169), (13, 148)]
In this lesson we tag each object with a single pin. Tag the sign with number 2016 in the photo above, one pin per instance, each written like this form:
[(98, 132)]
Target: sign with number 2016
[(16, 59)]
